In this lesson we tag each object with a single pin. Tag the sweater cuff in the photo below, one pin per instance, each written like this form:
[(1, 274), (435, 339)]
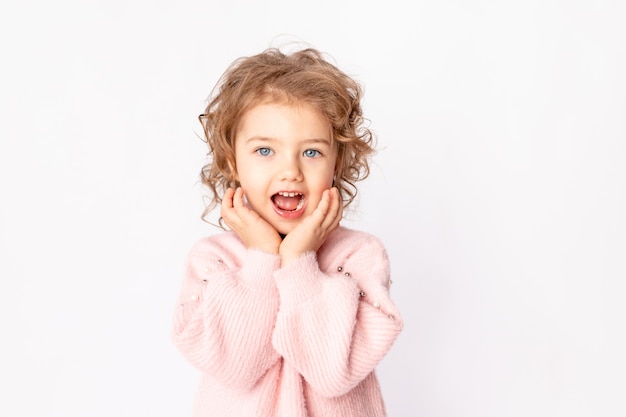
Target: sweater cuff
[(257, 269), (302, 279)]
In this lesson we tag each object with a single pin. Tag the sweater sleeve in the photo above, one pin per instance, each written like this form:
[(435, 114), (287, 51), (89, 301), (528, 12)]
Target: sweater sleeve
[(225, 316), (335, 328)]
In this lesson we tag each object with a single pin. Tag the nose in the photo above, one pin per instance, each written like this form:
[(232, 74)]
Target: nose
[(289, 169)]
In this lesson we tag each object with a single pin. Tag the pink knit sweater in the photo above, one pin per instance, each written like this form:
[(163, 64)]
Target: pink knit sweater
[(298, 341)]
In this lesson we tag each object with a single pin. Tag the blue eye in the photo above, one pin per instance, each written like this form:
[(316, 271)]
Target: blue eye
[(264, 151), (311, 153)]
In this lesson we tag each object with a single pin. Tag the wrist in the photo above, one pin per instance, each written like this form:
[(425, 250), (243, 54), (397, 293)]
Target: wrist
[(265, 248), (265, 245)]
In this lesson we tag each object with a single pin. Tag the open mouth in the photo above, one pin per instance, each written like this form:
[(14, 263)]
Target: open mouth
[(288, 201)]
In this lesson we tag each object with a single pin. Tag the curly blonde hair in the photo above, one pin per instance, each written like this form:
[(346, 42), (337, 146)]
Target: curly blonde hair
[(304, 76)]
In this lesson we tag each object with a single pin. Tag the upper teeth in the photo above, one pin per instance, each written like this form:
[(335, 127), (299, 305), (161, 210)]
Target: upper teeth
[(286, 194)]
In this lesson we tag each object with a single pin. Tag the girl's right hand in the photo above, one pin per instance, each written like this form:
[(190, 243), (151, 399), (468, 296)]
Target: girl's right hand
[(250, 227)]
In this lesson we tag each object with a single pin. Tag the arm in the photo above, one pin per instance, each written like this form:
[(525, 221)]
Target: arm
[(224, 318), (329, 330)]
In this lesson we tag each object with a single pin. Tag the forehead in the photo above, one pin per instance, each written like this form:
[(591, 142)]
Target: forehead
[(284, 120)]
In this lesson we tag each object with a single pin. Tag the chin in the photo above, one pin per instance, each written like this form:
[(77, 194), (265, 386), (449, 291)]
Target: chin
[(284, 229)]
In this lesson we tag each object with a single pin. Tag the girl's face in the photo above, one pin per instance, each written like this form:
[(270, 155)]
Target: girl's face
[(285, 160)]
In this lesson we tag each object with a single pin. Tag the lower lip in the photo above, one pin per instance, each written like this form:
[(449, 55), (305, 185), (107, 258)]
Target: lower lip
[(290, 214)]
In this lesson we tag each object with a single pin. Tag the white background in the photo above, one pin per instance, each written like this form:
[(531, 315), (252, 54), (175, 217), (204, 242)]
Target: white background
[(499, 190)]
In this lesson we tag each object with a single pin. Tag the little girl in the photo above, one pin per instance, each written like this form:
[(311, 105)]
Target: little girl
[(287, 313)]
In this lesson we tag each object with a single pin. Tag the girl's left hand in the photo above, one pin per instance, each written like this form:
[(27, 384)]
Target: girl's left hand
[(313, 231)]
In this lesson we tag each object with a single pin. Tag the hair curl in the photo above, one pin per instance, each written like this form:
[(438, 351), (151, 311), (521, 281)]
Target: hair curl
[(304, 76)]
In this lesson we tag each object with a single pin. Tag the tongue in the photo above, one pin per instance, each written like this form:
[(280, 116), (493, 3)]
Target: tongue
[(286, 203)]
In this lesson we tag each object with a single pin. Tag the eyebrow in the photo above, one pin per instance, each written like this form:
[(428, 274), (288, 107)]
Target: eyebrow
[(324, 141)]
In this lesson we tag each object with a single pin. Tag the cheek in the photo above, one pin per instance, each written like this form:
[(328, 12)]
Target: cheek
[(252, 181), (242, 172), (322, 184), (330, 179)]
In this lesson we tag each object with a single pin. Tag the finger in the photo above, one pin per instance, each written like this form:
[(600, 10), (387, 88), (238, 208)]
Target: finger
[(245, 214), (337, 205), (227, 200), (334, 211), (237, 197), (321, 211), (239, 203), (228, 212), (227, 203), (334, 216), (338, 213)]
